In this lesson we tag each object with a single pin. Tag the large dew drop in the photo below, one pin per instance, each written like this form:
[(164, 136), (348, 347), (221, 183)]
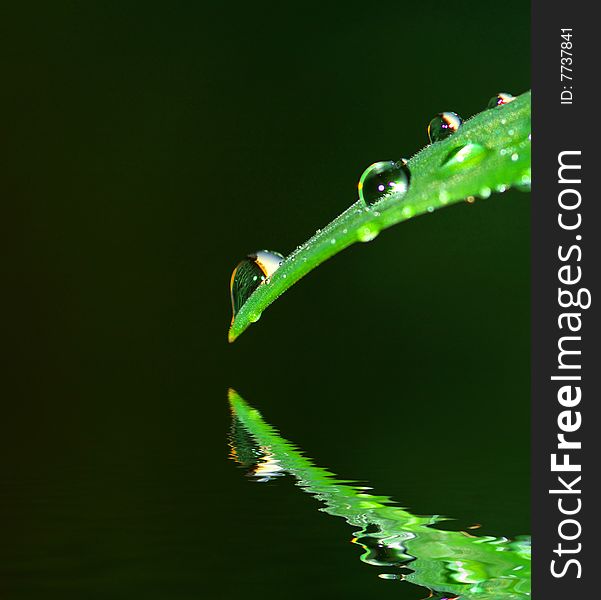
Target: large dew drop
[(443, 125), (383, 178), (250, 273)]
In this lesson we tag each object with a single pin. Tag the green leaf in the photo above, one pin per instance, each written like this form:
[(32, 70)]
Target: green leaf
[(449, 562), (489, 153)]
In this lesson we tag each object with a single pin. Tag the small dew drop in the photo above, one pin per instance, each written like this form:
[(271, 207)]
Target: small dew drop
[(333, 241), (500, 99), (407, 212), (443, 125), (430, 209), (367, 233), (515, 156), (525, 183), (389, 576), (470, 199), (485, 192), (444, 196), (382, 179), (501, 188)]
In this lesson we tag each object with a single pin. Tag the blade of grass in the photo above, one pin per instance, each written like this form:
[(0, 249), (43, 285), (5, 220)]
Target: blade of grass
[(504, 133)]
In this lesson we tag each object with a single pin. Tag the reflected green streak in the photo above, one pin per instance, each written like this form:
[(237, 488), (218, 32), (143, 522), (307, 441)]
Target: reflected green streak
[(449, 563), (503, 133)]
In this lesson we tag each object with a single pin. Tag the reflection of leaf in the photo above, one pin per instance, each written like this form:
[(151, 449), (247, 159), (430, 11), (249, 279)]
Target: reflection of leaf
[(489, 153), (451, 563)]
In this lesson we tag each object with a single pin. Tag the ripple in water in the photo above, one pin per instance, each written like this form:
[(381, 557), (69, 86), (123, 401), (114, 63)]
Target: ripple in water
[(451, 564)]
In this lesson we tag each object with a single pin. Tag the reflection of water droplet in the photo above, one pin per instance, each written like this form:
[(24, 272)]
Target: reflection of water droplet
[(500, 99), (443, 125), (389, 576), (378, 554), (464, 157), (249, 274), (383, 178), (267, 466), (260, 462)]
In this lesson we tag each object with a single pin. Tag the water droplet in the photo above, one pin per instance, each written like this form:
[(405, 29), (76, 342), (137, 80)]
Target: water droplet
[(443, 125), (470, 199), (464, 157), (368, 232), (525, 183), (500, 99), (249, 274), (485, 192), (515, 156), (444, 196), (389, 576), (383, 178)]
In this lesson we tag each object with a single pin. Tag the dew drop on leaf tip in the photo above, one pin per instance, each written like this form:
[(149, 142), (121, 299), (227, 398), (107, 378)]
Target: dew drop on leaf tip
[(250, 273), (383, 178), (443, 125)]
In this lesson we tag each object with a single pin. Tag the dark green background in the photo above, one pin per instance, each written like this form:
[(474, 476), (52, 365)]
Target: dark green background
[(147, 148)]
